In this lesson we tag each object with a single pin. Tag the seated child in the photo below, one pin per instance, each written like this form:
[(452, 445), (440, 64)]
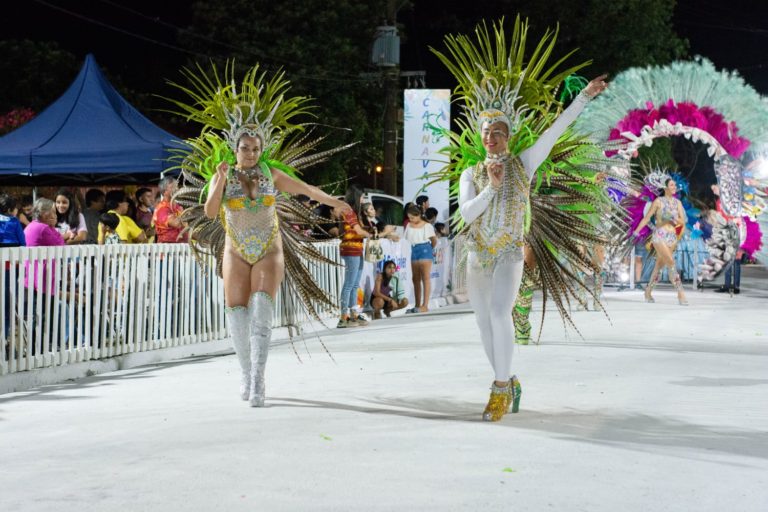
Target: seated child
[(388, 294)]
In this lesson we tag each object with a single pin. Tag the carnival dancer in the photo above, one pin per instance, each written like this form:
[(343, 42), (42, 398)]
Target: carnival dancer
[(669, 218), (244, 221), (513, 110)]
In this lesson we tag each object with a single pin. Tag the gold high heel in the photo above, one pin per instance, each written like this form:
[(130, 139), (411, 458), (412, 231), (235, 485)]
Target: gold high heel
[(498, 403)]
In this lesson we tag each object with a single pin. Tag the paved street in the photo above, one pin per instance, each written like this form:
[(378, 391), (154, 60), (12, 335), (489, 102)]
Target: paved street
[(665, 408)]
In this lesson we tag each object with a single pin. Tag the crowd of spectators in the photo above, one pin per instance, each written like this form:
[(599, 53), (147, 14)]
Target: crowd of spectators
[(69, 217), (142, 217)]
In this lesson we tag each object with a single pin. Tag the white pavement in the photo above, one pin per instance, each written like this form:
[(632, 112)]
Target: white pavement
[(664, 410)]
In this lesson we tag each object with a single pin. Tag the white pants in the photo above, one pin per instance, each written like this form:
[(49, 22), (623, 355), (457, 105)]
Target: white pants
[(492, 293)]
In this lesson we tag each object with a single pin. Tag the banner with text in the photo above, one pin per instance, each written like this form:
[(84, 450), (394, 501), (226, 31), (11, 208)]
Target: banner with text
[(425, 109)]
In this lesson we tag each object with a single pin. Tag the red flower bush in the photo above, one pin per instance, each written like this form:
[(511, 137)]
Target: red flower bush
[(15, 118)]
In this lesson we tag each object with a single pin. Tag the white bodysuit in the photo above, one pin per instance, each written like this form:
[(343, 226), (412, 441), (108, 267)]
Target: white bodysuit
[(495, 219)]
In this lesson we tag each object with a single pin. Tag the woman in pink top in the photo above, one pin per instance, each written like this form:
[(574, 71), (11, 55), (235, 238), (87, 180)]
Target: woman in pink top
[(41, 232)]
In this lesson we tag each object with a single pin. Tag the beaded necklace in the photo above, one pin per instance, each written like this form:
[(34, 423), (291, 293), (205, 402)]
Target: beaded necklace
[(263, 179)]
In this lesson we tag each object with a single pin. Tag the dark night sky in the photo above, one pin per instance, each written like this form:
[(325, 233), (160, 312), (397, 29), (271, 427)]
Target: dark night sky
[(733, 34)]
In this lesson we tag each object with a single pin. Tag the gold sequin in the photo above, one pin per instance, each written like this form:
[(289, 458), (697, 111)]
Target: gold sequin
[(498, 232), (498, 404), (250, 223)]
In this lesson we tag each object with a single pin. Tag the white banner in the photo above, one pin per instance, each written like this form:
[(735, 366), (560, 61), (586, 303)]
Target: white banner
[(424, 109), (400, 253)]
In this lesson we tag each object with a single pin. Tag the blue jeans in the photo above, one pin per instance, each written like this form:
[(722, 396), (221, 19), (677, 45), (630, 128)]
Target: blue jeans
[(353, 270), (734, 271)]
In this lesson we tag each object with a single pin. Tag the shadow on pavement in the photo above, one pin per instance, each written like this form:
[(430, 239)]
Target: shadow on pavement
[(627, 431), (141, 372)]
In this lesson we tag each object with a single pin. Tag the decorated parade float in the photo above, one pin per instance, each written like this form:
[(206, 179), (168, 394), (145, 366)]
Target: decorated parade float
[(725, 193)]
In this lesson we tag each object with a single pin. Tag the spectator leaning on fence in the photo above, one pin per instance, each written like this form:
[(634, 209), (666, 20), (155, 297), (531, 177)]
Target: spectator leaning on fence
[(127, 230), (351, 250), (70, 223), (169, 228), (41, 232), (94, 204)]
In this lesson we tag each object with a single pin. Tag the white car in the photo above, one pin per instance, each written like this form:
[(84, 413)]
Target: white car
[(389, 209)]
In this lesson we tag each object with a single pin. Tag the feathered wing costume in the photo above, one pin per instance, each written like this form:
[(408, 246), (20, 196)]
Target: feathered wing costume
[(569, 209), (259, 105), (715, 107), (550, 196)]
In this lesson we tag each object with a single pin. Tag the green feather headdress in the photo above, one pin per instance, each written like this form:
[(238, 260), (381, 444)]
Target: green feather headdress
[(569, 209), (495, 74)]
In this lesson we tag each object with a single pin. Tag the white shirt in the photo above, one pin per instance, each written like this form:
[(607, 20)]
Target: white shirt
[(419, 235)]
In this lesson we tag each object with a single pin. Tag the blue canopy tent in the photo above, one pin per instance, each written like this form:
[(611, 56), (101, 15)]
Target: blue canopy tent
[(89, 130)]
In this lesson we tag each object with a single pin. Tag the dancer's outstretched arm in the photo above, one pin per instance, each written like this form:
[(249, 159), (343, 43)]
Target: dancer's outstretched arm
[(285, 183), (534, 156)]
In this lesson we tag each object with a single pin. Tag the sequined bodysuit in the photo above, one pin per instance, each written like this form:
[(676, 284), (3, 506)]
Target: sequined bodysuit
[(666, 214), (251, 224), (498, 232)]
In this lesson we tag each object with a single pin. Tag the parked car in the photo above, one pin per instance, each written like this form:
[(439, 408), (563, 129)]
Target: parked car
[(389, 209)]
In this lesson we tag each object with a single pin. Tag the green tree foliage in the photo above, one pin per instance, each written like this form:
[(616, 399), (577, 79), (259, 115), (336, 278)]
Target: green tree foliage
[(619, 34), (614, 34), (324, 49), (34, 74)]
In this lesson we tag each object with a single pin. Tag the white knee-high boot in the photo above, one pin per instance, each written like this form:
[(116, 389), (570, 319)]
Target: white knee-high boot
[(261, 309), (238, 325)]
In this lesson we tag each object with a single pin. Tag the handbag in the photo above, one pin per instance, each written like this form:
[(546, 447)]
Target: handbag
[(374, 252)]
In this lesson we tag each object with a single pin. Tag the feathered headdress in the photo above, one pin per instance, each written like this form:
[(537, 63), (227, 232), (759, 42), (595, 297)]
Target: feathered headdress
[(258, 106), (495, 82), (656, 180), (569, 208), (261, 106)]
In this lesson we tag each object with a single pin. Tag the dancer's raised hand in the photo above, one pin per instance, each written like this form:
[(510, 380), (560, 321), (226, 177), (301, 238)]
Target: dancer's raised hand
[(596, 86), (221, 172)]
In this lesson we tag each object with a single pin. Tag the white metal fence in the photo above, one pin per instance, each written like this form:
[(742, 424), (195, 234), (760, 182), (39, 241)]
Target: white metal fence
[(62, 305)]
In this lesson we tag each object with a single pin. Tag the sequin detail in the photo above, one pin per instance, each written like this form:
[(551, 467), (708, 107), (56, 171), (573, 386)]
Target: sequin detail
[(498, 232), (498, 403), (664, 236), (250, 223), (668, 210)]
